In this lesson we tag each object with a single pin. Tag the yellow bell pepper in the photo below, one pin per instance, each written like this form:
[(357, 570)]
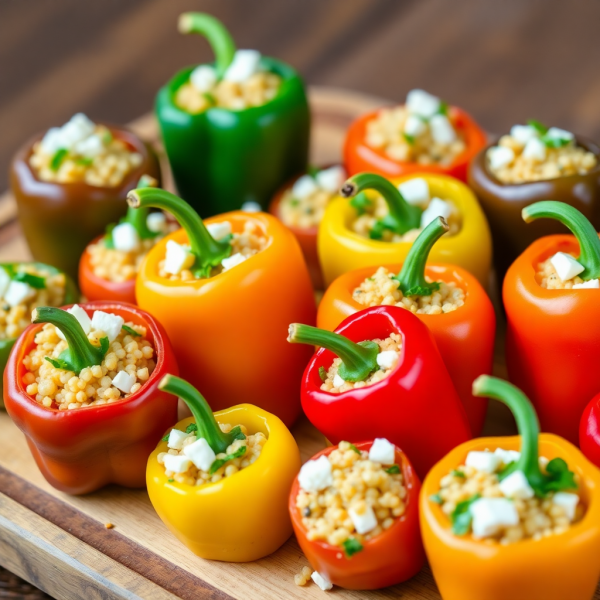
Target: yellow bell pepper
[(342, 250), (241, 517)]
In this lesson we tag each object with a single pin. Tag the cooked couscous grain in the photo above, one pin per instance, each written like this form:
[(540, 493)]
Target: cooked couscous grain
[(303, 577)]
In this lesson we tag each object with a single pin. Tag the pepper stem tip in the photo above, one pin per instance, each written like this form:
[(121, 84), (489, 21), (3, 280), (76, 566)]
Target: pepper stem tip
[(184, 24), (34, 315), (348, 190), (133, 199), (479, 384), (164, 382)]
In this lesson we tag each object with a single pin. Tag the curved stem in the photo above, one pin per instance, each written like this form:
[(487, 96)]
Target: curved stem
[(208, 428), (80, 353), (358, 360), (138, 216), (214, 31), (580, 227), (208, 251), (402, 216), (412, 275)]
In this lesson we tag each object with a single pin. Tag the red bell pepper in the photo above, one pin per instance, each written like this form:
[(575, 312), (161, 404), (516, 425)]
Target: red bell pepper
[(589, 431), (416, 406), (393, 556), (79, 451)]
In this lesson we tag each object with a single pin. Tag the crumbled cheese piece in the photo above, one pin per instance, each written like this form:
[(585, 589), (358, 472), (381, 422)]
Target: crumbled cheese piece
[(490, 514), (442, 131), (4, 281), (523, 133), (18, 292), (556, 133), (203, 78), (52, 140), (422, 103), (383, 452), (233, 261), (331, 179), (178, 258), (516, 486), (387, 359), (126, 238), (535, 149), (245, 63), (487, 462), (568, 502), (507, 456), (414, 126), (437, 208), (124, 381), (338, 381), (219, 230), (90, 146), (157, 222), (592, 284), (81, 316), (176, 439), (415, 191), (500, 157), (251, 207), (201, 454), (303, 187), (110, 324), (566, 266), (321, 581), (315, 475), (77, 129), (176, 463), (365, 521)]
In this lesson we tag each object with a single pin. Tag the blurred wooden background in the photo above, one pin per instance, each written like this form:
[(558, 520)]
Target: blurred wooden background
[(503, 61)]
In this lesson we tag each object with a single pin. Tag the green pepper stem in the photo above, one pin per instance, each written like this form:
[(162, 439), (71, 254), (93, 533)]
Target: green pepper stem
[(208, 428), (138, 217), (214, 31), (405, 216), (580, 227), (208, 251), (358, 360), (526, 418), (81, 353), (412, 274)]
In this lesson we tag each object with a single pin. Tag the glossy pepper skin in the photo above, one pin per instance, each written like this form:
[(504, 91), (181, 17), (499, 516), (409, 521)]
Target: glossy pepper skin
[(416, 407), (60, 219), (71, 296), (341, 250), (554, 568), (589, 431), (391, 557), (359, 157), (503, 203), (240, 518), (221, 158), (553, 336), (235, 321), (464, 337), (80, 451)]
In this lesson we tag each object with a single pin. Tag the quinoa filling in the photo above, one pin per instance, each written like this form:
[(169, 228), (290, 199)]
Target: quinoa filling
[(382, 289), (190, 469), (82, 152), (560, 272)]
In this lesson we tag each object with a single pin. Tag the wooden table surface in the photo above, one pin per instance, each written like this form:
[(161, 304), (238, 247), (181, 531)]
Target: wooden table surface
[(504, 62)]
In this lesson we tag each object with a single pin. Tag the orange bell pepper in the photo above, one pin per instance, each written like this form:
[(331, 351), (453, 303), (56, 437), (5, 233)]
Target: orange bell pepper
[(465, 336), (229, 331), (560, 566)]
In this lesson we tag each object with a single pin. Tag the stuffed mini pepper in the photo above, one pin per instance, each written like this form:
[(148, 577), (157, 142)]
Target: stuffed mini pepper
[(82, 385), (235, 130), (354, 509), (220, 482), (533, 163), (513, 517), (71, 183), (382, 218), (424, 135)]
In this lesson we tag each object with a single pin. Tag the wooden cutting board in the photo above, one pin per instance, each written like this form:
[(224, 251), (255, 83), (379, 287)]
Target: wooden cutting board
[(60, 543)]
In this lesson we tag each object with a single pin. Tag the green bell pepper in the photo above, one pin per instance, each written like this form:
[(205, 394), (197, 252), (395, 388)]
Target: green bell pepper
[(221, 158), (71, 297)]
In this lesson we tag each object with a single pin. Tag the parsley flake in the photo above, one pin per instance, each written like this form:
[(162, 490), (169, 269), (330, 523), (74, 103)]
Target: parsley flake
[(351, 547)]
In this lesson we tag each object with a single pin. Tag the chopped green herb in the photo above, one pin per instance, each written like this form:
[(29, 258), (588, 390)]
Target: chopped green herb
[(436, 498), (322, 373), (539, 127), (461, 516), (83, 161), (312, 171), (191, 428), (558, 477), (294, 202), (210, 98), (555, 142), (393, 470), (360, 203), (58, 158), (351, 547), (419, 290), (217, 464), (58, 363), (104, 345), (108, 237), (237, 433), (506, 470), (410, 139), (170, 480), (35, 281), (166, 438), (443, 109), (130, 330), (107, 137), (381, 225), (457, 473), (354, 449)]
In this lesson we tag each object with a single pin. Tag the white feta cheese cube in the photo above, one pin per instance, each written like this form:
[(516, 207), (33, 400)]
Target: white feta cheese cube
[(177, 463), (487, 462), (442, 131), (321, 581), (18, 292), (556, 133), (566, 266), (422, 103), (90, 146), (387, 359), (331, 179), (81, 316), (415, 191), (500, 156), (251, 207), (233, 261), (178, 258), (77, 129), (201, 454), (516, 486), (383, 452), (176, 439), (437, 208), (4, 281), (245, 63), (219, 230), (523, 133), (414, 126), (338, 381), (52, 141), (535, 150), (124, 381), (507, 456), (315, 475), (110, 324), (203, 78), (126, 238), (303, 187), (156, 222), (592, 284), (568, 502), (491, 514), (363, 522)]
